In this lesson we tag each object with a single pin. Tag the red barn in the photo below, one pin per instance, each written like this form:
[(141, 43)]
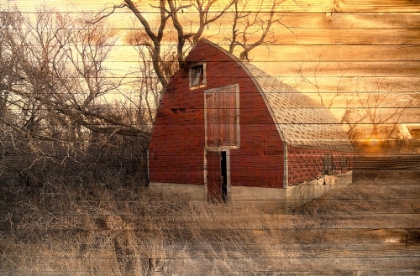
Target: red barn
[(226, 129)]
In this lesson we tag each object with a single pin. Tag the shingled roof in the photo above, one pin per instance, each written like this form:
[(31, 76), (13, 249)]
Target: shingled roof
[(301, 121)]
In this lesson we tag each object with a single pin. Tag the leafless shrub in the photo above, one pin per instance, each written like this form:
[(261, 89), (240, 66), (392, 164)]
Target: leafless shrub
[(56, 123)]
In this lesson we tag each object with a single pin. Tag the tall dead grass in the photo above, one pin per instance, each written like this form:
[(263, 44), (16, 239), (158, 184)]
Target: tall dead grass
[(93, 216), (113, 229), (95, 228)]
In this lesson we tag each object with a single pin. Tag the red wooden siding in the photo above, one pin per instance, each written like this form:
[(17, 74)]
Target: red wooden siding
[(306, 164), (178, 140)]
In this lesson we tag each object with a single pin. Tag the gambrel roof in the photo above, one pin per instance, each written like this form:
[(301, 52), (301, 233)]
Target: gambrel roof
[(301, 121)]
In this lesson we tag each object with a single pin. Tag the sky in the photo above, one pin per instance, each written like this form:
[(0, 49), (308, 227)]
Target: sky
[(75, 5), (331, 50), (122, 57), (123, 21)]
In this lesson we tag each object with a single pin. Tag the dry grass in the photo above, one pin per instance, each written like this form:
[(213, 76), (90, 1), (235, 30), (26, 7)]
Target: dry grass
[(97, 229)]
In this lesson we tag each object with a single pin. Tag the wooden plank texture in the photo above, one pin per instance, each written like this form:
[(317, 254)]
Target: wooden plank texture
[(371, 227), (351, 20)]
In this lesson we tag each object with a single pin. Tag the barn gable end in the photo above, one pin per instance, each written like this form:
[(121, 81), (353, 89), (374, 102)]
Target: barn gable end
[(225, 128)]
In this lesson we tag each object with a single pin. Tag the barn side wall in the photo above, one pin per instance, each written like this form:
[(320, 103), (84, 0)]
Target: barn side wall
[(306, 164), (178, 139)]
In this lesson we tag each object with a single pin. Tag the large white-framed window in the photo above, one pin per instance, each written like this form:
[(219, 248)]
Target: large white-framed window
[(222, 128)]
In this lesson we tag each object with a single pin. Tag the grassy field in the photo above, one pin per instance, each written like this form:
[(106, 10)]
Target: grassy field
[(371, 227)]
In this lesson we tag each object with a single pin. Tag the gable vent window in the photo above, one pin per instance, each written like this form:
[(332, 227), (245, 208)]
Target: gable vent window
[(197, 76)]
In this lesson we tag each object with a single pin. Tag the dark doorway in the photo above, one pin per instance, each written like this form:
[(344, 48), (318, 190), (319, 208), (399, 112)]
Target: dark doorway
[(223, 169), (217, 176)]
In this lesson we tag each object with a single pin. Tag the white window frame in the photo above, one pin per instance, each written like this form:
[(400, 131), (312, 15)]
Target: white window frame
[(192, 75)]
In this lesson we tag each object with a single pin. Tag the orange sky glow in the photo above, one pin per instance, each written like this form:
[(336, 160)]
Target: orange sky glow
[(317, 48)]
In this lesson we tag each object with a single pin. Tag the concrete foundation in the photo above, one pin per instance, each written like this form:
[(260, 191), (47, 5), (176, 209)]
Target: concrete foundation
[(290, 197), (189, 192)]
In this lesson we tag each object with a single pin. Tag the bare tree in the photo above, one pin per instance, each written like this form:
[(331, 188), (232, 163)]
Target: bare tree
[(252, 29), (205, 12), (380, 105), (337, 94), (61, 61), (58, 98), (165, 40), (352, 119), (140, 104), (149, 88), (8, 71), (368, 106)]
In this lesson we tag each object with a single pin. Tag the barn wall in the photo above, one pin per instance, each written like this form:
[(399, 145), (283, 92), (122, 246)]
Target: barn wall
[(176, 149), (306, 164)]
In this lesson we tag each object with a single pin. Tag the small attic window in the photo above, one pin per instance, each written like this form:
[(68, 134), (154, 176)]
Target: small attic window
[(197, 75)]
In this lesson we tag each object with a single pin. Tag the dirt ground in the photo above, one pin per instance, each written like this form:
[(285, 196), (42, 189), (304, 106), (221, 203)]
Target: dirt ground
[(371, 227)]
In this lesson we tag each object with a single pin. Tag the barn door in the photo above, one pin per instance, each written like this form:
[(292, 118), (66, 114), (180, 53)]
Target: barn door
[(216, 176), (222, 117)]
